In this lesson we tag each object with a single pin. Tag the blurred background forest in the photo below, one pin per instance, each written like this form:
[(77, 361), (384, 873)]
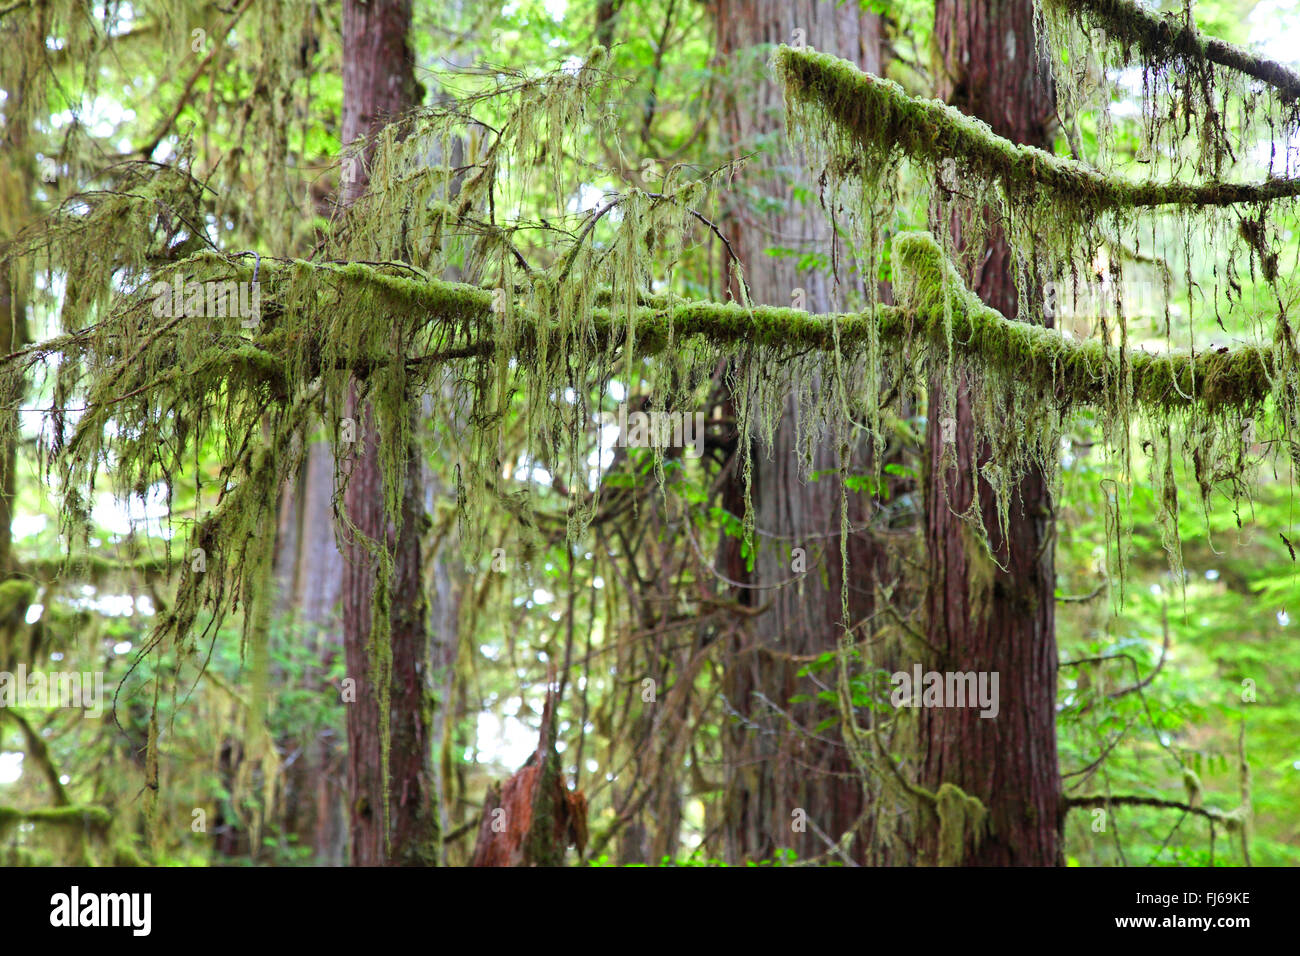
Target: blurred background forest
[(687, 723)]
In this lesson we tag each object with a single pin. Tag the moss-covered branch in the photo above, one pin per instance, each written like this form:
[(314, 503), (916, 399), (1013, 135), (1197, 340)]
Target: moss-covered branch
[(1165, 37), (40, 754), (1232, 819), (87, 825), (1075, 372), (93, 818), (95, 567), (1072, 371), (875, 112)]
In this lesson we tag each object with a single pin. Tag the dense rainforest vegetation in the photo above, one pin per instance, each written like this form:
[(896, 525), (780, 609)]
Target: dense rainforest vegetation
[(649, 432)]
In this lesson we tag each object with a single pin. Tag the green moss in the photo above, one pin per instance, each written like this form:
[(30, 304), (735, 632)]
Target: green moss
[(981, 570), (369, 312), (124, 854), (1168, 38), (94, 567), (1070, 371), (937, 304), (962, 821), (16, 595), (879, 115), (93, 818)]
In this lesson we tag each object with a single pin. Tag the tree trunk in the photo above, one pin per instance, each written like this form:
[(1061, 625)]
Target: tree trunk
[(309, 579), (378, 85), (17, 165), (606, 12), (774, 769), (981, 617)]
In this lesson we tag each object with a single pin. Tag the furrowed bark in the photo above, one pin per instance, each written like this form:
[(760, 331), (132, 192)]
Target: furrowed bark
[(396, 824), (774, 770), (983, 617)]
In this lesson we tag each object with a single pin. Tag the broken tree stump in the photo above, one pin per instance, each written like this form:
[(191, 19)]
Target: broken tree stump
[(533, 817)]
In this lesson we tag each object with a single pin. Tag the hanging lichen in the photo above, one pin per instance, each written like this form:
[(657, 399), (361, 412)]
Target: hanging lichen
[(1053, 210), (558, 302)]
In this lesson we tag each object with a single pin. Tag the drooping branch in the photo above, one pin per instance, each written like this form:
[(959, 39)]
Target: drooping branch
[(875, 112), (1159, 37)]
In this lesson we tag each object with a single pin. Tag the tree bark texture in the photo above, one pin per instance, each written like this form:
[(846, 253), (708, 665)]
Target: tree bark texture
[(776, 762), (983, 617)]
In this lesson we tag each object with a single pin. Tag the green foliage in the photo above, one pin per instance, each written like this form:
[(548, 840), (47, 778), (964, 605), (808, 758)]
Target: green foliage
[(581, 268)]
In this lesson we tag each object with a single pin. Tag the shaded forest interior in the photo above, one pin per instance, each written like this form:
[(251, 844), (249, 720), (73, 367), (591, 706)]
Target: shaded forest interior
[(757, 432)]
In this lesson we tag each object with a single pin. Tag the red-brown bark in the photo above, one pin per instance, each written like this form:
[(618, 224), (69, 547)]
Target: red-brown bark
[(775, 764), (378, 85), (533, 817), (1003, 623)]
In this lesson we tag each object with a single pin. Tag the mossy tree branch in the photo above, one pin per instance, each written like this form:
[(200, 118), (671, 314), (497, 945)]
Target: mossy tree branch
[(1075, 372), (96, 568), (1231, 819), (93, 818), (40, 753), (1159, 37), (874, 111)]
